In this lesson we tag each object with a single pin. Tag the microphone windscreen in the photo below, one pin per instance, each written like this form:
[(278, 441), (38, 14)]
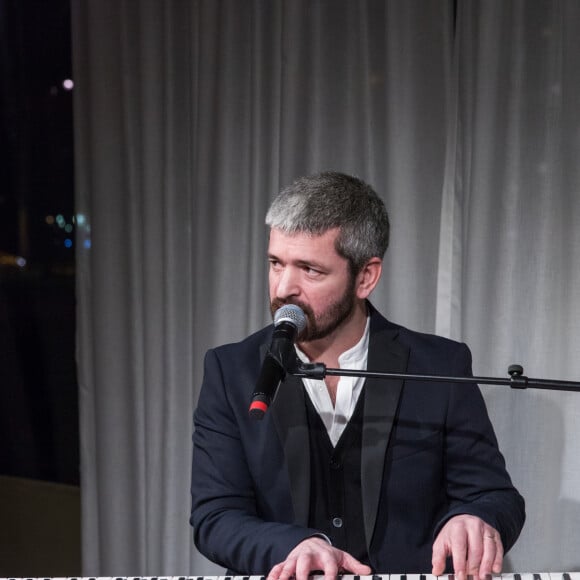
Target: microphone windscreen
[(292, 314)]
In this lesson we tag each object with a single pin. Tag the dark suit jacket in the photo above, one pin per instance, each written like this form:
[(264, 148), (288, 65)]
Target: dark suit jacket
[(429, 452)]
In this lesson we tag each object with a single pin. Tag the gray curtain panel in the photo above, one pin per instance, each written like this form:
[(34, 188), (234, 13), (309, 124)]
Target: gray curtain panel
[(190, 115)]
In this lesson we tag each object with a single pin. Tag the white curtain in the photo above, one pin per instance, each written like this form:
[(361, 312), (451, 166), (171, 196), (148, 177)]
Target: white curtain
[(190, 116), (519, 249)]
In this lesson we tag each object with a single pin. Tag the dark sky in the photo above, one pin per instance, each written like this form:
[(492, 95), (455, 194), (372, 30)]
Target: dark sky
[(38, 385), (36, 139)]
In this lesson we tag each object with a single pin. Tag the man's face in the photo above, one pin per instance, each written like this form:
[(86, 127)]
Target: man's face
[(306, 270)]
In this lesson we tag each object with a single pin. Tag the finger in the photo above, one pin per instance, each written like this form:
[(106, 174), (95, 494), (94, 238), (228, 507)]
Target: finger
[(438, 558), (307, 563), (459, 555), (275, 571), (475, 550), (352, 565), (330, 568), (488, 556), (498, 561), (288, 569)]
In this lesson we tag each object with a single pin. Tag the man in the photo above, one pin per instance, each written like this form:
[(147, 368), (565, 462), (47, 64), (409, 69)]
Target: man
[(346, 475)]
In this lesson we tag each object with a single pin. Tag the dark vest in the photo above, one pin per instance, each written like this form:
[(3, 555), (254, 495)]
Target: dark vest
[(335, 493)]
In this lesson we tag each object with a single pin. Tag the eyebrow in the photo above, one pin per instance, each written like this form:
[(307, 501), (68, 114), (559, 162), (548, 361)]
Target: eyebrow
[(301, 263), (310, 264)]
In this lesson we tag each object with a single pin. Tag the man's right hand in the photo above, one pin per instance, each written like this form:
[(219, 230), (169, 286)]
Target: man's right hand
[(316, 554)]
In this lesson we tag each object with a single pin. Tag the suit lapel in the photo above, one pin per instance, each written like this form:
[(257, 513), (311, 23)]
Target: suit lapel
[(380, 407), (289, 415)]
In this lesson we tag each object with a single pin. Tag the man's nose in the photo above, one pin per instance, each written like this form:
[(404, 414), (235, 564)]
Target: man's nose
[(288, 283)]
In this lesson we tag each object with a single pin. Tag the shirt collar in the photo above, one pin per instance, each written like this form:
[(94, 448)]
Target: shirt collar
[(354, 356)]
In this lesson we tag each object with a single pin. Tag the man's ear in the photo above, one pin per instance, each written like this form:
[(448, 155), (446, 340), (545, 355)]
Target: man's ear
[(368, 277)]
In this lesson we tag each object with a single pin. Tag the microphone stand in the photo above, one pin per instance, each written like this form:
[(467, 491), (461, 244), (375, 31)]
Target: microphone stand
[(517, 378)]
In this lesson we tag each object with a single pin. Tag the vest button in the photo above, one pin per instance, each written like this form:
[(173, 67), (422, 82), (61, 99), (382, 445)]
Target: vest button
[(335, 464), (337, 522)]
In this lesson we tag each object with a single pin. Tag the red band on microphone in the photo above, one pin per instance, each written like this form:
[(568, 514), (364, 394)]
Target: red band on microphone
[(259, 405)]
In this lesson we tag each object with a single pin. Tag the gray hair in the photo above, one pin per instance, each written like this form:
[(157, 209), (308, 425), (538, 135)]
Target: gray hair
[(318, 203)]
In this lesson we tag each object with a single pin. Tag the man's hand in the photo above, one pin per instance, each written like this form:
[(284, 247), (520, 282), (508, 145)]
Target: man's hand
[(316, 554), (474, 546)]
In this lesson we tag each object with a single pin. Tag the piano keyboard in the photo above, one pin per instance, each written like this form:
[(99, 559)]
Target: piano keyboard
[(510, 576)]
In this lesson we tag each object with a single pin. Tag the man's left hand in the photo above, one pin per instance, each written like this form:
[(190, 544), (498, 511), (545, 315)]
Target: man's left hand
[(474, 546)]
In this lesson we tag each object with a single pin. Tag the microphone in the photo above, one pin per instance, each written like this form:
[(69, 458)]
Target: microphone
[(289, 322)]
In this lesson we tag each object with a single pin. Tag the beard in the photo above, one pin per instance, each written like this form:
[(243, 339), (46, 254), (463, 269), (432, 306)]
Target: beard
[(322, 325)]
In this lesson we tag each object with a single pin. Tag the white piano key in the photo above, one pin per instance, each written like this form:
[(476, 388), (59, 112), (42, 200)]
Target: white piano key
[(506, 576), (564, 576), (521, 576)]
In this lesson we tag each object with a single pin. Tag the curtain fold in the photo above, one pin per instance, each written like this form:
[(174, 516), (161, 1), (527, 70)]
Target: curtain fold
[(190, 115), (519, 76)]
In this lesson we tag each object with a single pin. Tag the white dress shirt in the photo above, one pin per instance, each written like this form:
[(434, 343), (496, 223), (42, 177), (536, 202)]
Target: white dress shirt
[(336, 418)]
